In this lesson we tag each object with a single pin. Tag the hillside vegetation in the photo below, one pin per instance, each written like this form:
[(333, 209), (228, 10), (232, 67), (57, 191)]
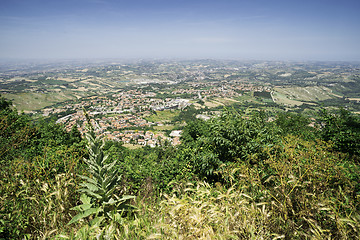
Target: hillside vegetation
[(235, 176)]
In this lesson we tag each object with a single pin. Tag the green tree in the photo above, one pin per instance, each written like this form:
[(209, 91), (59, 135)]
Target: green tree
[(295, 124), (4, 104), (343, 129), (227, 139)]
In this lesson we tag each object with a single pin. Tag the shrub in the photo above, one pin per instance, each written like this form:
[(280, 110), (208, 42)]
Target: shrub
[(309, 190), (343, 129)]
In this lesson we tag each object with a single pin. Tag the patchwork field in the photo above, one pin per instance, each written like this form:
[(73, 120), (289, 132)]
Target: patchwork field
[(295, 96), (313, 93), (281, 98), (36, 101)]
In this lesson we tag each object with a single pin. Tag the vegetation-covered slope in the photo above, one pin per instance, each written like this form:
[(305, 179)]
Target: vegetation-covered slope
[(233, 177)]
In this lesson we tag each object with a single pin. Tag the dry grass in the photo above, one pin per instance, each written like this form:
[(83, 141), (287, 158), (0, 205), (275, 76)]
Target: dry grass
[(43, 207), (204, 212)]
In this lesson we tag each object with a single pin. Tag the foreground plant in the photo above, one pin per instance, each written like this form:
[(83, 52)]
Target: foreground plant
[(98, 190)]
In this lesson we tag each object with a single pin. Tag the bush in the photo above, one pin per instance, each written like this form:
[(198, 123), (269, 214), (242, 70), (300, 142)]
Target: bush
[(229, 138), (343, 129), (309, 190)]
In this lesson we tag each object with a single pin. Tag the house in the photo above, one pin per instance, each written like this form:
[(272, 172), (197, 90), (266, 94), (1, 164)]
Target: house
[(175, 133)]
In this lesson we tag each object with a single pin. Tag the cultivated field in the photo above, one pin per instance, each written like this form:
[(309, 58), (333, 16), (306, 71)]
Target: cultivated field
[(313, 93), (36, 101)]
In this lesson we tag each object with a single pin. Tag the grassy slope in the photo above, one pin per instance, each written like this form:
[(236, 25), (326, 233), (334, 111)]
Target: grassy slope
[(166, 115), (36, 101), (313, 93)]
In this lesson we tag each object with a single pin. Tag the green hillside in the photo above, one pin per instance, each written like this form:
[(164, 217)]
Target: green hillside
[(234, 176)]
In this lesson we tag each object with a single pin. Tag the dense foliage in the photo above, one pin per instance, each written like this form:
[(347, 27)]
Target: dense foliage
[(343, 129), (38, 175), (236, 176)]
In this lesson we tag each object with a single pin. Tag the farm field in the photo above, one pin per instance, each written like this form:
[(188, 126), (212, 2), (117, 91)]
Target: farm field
[(35, 101), (308, 94), (281, 98)]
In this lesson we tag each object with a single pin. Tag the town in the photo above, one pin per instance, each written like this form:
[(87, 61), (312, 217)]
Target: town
[(118, 113), (147, 103)]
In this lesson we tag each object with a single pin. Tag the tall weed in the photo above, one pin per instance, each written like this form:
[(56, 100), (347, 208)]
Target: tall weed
[(36, 209)]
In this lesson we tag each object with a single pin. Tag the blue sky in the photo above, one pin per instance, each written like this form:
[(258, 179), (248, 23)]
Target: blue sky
[(226, 29)]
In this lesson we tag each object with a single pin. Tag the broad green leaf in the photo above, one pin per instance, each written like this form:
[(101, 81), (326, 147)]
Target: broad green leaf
[(81, 207), (90, 186), (84, 214), (85, 199)]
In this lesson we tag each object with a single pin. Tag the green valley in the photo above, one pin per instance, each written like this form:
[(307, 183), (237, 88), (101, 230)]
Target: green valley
[(203, 149)]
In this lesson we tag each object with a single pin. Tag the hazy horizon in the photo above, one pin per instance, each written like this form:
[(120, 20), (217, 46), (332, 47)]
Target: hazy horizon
[(246, 30)]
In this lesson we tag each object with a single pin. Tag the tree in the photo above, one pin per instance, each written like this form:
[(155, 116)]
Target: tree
[(4, 104), (295, 124), (225, 140), (343, 129)]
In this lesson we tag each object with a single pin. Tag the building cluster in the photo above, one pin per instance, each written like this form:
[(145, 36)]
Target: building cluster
[(119, 114), (222, 89), (169, 103), (144, 138), (116, 128)]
